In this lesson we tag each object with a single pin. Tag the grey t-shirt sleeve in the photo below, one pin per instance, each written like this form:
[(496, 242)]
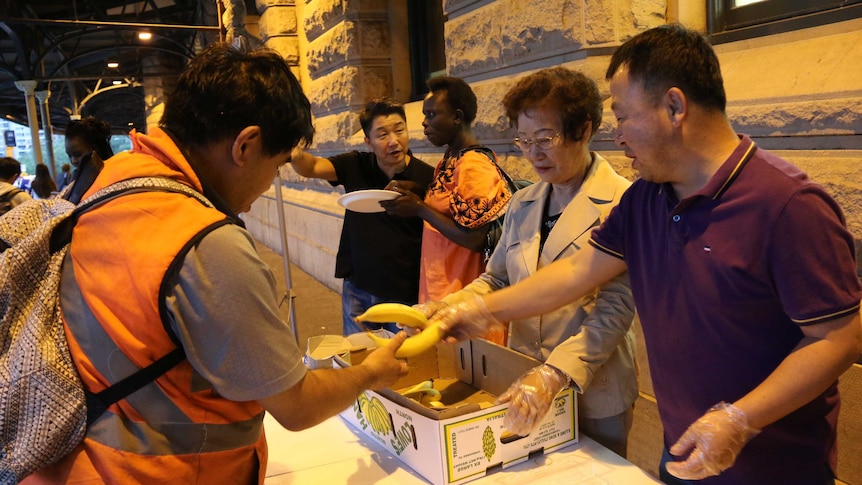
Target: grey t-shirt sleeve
[(224, 309)]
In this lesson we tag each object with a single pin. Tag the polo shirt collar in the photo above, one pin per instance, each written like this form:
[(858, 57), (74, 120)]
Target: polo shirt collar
[(724, 177)]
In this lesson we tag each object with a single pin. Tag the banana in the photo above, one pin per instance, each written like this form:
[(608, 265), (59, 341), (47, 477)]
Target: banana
[(422, 389), (394, 312), (416, 344)]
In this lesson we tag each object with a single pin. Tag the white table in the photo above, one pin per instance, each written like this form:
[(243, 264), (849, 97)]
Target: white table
[(334, 453)]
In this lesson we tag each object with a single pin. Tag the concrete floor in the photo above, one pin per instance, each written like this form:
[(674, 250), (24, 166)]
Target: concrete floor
[(317, 308)]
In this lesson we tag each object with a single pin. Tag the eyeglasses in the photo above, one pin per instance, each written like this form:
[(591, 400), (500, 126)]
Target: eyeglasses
[(542, 143)]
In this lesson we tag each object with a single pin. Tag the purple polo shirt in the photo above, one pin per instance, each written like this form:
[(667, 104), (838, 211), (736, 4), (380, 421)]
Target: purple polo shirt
[(722, 281)]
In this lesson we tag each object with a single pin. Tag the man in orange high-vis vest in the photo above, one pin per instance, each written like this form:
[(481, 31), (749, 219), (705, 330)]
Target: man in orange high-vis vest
[(149, 271)]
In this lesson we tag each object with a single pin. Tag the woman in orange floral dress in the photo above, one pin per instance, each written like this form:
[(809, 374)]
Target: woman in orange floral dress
[(466, 195)]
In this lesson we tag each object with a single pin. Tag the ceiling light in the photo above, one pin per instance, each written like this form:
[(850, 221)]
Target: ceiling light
[(145, 35), (113, 64), (115, 83)]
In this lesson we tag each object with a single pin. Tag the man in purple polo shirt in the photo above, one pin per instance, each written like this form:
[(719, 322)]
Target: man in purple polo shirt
[(743, 274)]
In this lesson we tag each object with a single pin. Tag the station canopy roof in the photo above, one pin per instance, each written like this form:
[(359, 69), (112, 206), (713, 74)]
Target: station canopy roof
[(69, 47)]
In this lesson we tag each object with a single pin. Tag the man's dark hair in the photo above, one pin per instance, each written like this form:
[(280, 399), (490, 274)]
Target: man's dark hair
[(458, 94), (672, 56), (9, 168), (95, 133), (574, 96), (379, 107), (225, 89)]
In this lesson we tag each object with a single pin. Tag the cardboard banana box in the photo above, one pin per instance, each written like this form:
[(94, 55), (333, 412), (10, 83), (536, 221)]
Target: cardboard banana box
[(461, 436)]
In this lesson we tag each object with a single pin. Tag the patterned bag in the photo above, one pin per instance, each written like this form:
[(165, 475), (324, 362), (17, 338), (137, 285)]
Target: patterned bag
[(44, 409), (495, 227)]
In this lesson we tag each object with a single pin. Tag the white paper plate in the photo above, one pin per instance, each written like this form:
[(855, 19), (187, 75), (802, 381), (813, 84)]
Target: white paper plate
[(366, 200)]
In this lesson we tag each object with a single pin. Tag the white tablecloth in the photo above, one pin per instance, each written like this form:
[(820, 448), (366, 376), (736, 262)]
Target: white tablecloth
[(334, 453)]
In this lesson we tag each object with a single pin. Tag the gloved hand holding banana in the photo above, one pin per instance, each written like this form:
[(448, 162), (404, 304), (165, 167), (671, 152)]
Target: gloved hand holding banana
[(465, 318), (530, 397), (409, 317)]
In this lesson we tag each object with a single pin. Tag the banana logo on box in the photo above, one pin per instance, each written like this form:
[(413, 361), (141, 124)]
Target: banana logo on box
[(489, 443), (374, 412)]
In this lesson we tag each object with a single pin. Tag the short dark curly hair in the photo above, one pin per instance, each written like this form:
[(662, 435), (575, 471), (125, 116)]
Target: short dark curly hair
[(458, 94), (572, 94), (95, 133), (225, 89), (9, 167)]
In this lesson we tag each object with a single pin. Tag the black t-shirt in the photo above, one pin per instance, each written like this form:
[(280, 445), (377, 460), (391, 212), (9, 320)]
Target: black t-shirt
[(379, 253)]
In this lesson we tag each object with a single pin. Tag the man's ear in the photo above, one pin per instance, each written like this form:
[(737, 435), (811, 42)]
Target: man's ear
[(675, 104), (368, 144), (247, 145)]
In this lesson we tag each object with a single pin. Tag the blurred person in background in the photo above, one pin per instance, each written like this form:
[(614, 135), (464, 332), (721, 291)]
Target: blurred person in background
[(88, 145), (65, 177), (10, 196), (43, 185)]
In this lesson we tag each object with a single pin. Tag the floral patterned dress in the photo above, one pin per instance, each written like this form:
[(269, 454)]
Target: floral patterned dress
[(470, 190)]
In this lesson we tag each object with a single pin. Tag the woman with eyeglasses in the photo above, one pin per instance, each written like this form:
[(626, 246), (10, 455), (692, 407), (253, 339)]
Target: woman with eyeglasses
[(587, 344), (88, 145)]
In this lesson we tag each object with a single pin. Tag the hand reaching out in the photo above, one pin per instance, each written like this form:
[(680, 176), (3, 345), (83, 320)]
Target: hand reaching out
[(466, 319), (430, 308), (712, 443), (385, 369), (530, 398)]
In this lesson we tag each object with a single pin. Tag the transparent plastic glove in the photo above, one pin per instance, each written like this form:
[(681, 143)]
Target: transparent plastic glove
[(530, 398), (712, 443), (466, 319), (429, 308)]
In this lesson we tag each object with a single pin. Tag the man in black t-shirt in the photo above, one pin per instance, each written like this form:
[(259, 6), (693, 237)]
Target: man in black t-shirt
[(378, 255)]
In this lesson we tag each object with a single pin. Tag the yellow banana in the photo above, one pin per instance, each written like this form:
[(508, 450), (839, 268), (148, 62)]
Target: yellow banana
[(416, 344), (422, 389), (394, 312)]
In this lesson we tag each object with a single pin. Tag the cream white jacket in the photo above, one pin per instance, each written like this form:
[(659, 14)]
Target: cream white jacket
[(589, 339)]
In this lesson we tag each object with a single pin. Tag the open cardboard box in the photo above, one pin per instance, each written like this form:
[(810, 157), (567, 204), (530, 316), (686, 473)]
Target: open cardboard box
[(465, 439)]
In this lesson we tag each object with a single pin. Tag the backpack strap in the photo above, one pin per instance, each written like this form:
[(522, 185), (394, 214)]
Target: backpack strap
[(10, 194), (98, 403), (493, 157), (62, 234)]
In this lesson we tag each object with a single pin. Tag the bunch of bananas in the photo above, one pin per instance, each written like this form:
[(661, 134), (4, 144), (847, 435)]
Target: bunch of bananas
[(408, 317)]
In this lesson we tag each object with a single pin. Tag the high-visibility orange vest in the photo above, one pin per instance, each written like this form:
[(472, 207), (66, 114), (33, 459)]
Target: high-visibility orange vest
[(178, 430)]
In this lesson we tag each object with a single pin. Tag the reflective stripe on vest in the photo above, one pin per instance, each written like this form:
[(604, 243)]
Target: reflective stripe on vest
[(167, 430)]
